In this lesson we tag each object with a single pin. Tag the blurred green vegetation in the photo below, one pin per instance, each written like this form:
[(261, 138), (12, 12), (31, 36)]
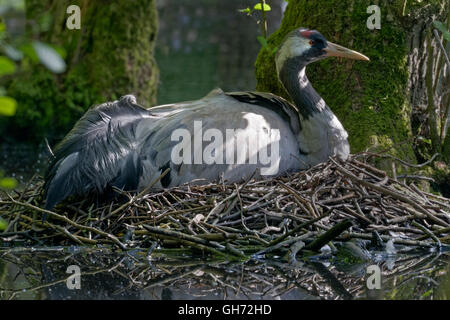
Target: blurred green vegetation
[(16, 52), (110, 56)]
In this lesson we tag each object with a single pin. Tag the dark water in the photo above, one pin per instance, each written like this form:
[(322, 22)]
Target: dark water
[(42, 274)]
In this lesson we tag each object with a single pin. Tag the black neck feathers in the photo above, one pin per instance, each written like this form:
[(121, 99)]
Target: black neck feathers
[(294, 79)]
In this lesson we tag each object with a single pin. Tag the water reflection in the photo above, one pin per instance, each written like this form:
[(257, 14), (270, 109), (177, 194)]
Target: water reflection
[(27, 273)]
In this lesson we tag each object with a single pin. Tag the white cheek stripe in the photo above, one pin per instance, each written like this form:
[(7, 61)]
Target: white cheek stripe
[(292, 47)]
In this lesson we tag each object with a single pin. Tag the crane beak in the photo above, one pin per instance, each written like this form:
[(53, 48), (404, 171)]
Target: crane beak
[(335, 50)]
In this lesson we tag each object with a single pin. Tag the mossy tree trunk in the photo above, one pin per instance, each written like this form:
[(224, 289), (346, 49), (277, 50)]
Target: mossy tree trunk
[(110, 56), (374, 100)]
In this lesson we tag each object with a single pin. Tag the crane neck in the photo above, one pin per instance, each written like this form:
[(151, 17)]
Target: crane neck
[(294, 79)]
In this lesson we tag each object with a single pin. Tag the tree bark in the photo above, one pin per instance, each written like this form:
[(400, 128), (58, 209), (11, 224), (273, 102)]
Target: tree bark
[(374, 100), (110, 56)]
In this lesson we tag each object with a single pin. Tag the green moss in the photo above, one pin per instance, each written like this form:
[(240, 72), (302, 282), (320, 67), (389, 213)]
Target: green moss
[(112, 55), (370, 99)]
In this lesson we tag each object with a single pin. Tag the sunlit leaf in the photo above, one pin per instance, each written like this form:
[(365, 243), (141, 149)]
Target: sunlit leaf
[(246, 10), (6, 66), (49, 57), (258, 7), (8, 183), (8, 106), (3, 224), (12, 52), (423, 139), (427, 293)]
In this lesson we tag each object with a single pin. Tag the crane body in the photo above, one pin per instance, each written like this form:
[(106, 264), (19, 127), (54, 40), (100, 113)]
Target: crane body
[(230, 136)]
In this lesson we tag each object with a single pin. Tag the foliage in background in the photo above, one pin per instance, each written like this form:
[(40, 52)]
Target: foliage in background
[(261, 7), (110, 56), (19, 50)]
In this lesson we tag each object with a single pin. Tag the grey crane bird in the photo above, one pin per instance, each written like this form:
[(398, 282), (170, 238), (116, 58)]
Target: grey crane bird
[(121, 144)]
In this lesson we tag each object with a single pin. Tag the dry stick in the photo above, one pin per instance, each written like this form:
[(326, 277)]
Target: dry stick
[(242, 208), (357, 215), (185, 239), (331, 234), (391, 193), (412, 165), (65, 232), (67, 220), (405, 242), (437, 232), (368, 167), (133, 199), (415, 177), (300, 227), (180, 235), (339, 199), (19, 214), (235, 251), (222, 204), (278, 245), (431, 234), (299, 199)]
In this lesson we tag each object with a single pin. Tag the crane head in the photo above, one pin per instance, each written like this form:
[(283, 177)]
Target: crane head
[(307, 46)]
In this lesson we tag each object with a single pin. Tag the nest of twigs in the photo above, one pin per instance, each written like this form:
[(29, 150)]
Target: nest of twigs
[(304, 211)]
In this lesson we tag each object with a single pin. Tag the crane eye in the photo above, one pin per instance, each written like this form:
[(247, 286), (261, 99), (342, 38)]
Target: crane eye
[(311, 42)]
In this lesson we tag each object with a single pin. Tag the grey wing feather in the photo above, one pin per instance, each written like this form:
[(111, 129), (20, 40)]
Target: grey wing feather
[(124, 145), (100, 150)]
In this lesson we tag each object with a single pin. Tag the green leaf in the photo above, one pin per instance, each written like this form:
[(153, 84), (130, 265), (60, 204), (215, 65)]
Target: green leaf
[(61, 51), (49, 57), (427, 293), (246, 10), (440, 26), (258, 7), (423, 139), (446, 35), (8, 106), (8, 183), (28, 50), (6, 66), (262, 40), (3, 224)]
